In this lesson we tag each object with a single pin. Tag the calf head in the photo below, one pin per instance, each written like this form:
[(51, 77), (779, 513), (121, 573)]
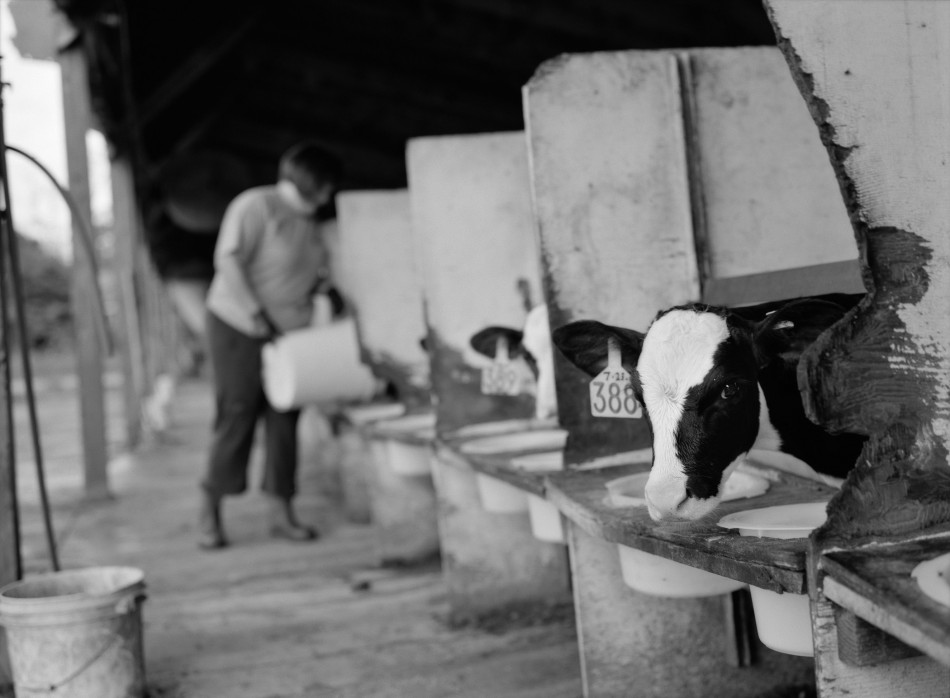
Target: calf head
[(697, 375), (533, 346)]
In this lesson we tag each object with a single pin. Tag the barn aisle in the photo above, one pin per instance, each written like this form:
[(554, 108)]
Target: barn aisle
[(269, 618)]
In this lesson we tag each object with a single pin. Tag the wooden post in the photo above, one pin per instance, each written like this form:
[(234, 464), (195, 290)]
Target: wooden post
[(878, 88), (126, 240), (88, 351)]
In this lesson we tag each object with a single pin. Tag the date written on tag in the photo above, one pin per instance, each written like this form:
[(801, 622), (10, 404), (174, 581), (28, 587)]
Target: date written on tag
[(611, 393)]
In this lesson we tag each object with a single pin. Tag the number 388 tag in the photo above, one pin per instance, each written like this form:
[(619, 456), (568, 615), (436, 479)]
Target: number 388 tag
[(611, 393)]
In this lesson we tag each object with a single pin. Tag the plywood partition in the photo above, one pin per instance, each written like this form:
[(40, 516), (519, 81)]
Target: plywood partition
[(610, 186), (768, 198), (472, 220), (380, 275), (878, 87)]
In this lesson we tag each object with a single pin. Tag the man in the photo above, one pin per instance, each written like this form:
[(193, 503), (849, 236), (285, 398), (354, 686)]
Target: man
[(270, 260)]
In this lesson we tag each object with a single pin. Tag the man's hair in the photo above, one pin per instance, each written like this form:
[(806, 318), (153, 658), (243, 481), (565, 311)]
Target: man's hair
[(309, 157)]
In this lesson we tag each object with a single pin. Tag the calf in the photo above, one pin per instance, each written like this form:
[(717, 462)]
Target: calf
[(714, 383), (532, 345)]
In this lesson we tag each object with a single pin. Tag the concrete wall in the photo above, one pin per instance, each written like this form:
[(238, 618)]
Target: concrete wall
[(769, 195), (610, 184), (378, 263), (471, 212)]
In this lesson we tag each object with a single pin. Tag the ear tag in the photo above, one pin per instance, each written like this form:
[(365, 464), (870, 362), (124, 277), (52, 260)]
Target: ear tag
[(611, 392), (502, 377)]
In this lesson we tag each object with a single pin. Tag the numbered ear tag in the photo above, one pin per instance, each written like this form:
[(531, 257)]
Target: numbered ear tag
[(611, 393), (502, 377)]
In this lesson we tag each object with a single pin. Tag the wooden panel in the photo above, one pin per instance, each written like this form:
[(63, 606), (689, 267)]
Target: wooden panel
[(377, 271), (863, 644), (766, 562), (875, 584), (610, 187), (472, 220), (769, 196)]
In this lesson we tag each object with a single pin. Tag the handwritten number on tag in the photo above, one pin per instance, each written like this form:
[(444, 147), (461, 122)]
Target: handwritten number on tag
[(611, 393)]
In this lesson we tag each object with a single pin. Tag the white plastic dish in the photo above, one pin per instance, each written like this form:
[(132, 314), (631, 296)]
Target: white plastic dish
[(364, 414), (652, 574), (933, 578), (782, 620), (505, 426), (498, 496), (406, 424), (628, 491), (535, 440)]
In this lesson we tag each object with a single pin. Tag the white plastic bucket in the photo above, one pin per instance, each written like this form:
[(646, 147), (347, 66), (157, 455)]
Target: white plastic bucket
[(537, 440), (316, 364), (498, 496), (546, 521), (76, 634), (652, 574), (783, 621), (411, 460)]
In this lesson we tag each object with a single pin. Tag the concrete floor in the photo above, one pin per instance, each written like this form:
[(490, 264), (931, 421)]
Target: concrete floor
[(264, 617)]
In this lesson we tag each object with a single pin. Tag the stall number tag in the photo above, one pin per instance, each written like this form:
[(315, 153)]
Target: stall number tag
[(502, 377), (611, 394)]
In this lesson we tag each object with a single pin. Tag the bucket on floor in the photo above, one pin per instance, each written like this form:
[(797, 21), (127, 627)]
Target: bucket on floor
[(77, 633), (499, 497)]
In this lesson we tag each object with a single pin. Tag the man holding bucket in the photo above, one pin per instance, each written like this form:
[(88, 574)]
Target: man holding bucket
[(270, 259)]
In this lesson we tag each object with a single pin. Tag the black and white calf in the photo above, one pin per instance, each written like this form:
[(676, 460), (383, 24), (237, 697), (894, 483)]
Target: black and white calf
[(715, 383), (530, 346)]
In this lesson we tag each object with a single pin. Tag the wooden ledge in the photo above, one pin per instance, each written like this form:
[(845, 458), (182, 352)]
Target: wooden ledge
[(778, 565), (499, 466), (873, 582)]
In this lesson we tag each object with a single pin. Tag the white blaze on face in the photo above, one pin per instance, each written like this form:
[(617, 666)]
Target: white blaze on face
[(677, 354), (537, 340)]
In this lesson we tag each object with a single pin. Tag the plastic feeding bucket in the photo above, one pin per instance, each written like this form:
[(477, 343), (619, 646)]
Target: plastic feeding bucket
[(546, 521), (652, 574), (76, 633), (403, 457), (783, 620), (498, 496), (316, 364), (933, 578)]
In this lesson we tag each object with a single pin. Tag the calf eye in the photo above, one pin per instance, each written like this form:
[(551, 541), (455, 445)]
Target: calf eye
[(729, 390)]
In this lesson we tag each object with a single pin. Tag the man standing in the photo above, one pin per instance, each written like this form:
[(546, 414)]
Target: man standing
[(270, 260)]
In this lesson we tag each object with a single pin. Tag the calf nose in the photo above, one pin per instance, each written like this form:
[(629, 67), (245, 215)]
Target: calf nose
[(664, 500)]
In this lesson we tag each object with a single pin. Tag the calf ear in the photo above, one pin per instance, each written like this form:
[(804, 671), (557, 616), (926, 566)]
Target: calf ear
[(486, 341), (584, 344), (790, 330)]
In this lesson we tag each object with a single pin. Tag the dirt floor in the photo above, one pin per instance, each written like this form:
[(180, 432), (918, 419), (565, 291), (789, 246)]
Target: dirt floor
[(268, 618)]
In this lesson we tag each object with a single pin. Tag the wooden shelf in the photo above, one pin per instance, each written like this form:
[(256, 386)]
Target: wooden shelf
[(778, 565), (500, 466), (873, 582)]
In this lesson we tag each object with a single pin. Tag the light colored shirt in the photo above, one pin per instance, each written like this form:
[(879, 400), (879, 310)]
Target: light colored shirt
[(267, 257)]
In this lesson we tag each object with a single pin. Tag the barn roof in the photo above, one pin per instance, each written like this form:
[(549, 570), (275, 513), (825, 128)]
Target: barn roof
[(230, 85)]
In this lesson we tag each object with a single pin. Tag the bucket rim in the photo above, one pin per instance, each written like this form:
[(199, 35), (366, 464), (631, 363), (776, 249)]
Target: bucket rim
[(136, 579)]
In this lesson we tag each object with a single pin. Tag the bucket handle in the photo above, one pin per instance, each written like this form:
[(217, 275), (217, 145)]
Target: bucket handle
[(125, 605)]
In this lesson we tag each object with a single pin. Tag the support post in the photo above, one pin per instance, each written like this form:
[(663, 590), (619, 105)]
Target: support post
[(127, 239), (76, 108)]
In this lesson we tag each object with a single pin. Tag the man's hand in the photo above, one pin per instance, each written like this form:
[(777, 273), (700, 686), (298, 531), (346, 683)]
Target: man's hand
[(264, 321)]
